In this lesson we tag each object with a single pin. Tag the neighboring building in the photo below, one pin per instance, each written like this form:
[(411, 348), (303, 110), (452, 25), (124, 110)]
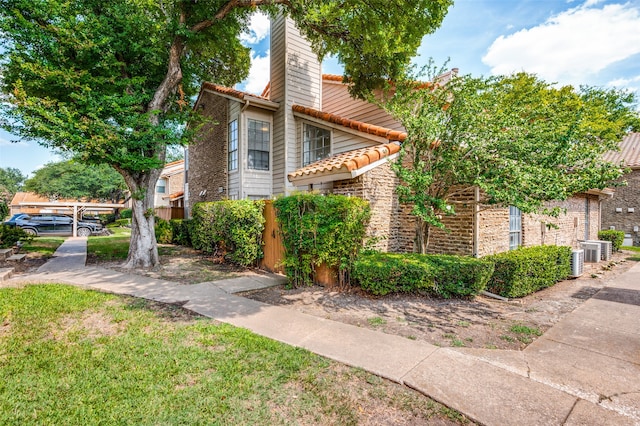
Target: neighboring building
[(170, 185), (622, 211), (305, 132)]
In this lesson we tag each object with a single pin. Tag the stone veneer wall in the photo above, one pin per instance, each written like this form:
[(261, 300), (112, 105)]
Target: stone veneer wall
[(391, 226), (624, 198), (395, 226), (208, 153)]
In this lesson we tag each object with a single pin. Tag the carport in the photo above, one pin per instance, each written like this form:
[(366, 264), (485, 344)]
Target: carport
[(73, 207)]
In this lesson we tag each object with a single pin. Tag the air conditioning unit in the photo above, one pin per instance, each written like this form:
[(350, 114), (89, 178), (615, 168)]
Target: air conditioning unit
[(606, 248), (577, 263), (592, 251)]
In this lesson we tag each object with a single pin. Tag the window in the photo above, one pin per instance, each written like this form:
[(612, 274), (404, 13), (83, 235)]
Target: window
[(316, 144), (259, 133), (233, 145), (515, 228), (161, 186)]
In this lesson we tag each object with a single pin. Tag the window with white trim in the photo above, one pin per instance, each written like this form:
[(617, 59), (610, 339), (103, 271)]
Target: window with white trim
[(316, 143), (259, 136), (233, 145), (515, 228), (161, 186)]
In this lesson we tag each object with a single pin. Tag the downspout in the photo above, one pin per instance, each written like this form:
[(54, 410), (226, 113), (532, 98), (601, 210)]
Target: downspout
[(241, 137), (476, 223)]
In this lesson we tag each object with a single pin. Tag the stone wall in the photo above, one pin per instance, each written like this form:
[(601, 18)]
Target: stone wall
[(390, 227), (625, 197), (207, 157)]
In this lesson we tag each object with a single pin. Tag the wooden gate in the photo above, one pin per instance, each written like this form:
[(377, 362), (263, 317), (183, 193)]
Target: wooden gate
[(273, 248)]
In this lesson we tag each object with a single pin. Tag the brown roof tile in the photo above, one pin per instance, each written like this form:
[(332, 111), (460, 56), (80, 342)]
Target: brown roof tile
[(629, 153), (229, 91), (346, 162), (392, 135)]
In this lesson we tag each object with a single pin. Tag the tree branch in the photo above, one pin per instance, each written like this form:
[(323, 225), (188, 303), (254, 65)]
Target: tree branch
[(234, 4)]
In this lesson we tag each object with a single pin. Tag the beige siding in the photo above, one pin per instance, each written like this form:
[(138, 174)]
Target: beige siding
[(336, 100), (255, 183), (343, 141), (295, 79)]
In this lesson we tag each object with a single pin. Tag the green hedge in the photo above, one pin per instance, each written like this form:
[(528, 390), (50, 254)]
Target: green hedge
[(181, 230), (528, 269), (319, 229), (164, 231), (10, 235), (230, 227), (384, 273), (446, 276), (616, 238)]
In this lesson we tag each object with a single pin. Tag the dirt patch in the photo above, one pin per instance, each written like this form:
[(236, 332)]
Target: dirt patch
[(479, 323), (183, 265), (29, 264)]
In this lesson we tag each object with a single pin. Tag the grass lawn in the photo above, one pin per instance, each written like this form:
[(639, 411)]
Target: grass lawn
[(76, 357), (45, 246), (110, 247), (635, 257)]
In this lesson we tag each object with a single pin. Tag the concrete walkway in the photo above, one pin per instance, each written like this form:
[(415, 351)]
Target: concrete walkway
[(583, 371)]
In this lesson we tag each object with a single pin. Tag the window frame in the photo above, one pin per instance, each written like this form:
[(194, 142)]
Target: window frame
[(232, 154), (252, 149), (316, 149), (163, 186), (515, 227)]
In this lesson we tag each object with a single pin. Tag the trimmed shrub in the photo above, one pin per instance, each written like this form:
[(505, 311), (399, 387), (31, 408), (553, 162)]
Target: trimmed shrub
[(232, 228), (181, 231), (125, 214), (124, 223), (164, 231), (446, 276), (319, 229), (616, 238), (384, 273), (10, 235), (526, 270), (460, 276)]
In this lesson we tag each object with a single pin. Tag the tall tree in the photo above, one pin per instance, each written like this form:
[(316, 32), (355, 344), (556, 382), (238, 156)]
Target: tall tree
[(110, 81), (72, 179), (11, 180), (521, 141)]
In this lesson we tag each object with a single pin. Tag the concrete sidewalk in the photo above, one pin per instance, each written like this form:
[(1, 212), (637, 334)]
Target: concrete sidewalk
[(584, 370)]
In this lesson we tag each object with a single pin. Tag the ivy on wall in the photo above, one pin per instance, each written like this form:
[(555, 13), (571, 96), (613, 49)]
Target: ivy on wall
[(320, 229)]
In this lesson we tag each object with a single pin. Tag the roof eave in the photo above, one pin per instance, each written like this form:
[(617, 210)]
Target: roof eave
[(336, 174)]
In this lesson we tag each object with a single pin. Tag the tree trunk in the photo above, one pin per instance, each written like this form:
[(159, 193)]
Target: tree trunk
[(143, 249), (421, 240)]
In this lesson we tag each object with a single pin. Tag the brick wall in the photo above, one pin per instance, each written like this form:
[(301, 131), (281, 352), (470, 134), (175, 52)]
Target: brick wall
[(624, 198), (208, 153), (386, 226)]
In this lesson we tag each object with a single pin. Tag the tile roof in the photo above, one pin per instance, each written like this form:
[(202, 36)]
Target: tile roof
[(391, 135), (629, 153), (230, 92), (344, 165)]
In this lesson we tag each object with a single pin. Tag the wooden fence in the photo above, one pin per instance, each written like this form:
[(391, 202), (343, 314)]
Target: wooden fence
[(273, 247), (168, 213)]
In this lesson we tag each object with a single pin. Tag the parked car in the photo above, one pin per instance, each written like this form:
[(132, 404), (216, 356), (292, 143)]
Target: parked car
[(52, 224), (12, 220)]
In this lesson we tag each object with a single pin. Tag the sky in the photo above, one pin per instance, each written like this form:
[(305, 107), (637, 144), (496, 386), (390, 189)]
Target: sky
[(577, 42)]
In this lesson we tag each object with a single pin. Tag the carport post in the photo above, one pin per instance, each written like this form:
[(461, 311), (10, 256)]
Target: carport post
[(75, 220)]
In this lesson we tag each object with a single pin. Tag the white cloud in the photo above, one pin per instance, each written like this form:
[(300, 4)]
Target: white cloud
[(621, 82), (258, 74), (259, 28), (572, 45)]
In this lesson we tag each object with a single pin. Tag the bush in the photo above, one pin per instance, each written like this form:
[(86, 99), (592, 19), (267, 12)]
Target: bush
[(446, 276), (460, 276), (125, 214), (164, 231), (232, 227), (124, 223), (319, 229), (526, 270), (616, 238), (181, 231), (384, 273), (10, 235)]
